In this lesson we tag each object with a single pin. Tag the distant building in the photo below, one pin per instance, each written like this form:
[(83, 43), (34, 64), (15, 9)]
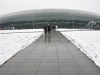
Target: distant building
[(60, 18)]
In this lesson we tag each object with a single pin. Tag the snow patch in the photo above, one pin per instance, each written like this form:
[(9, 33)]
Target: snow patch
[(87, 41), (17, 40)]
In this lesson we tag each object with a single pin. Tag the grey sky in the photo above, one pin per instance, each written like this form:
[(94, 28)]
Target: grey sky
[(9, 6)]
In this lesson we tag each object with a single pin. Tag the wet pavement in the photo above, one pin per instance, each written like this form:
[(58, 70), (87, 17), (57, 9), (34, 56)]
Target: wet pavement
[(51, 54)]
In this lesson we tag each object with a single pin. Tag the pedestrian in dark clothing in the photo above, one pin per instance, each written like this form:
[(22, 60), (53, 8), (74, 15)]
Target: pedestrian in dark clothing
[(49, 29), (45, 29), (77, 27)]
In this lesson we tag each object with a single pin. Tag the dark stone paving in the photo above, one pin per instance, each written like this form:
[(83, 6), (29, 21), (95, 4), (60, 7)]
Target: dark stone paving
[(50, 55)]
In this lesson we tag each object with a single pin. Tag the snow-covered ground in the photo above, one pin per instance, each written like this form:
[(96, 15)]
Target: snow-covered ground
[(64, 30), (12, 41), (20, 31), (87, 41)]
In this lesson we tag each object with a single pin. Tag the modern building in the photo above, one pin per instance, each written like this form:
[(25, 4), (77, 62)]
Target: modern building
[(58, 18)]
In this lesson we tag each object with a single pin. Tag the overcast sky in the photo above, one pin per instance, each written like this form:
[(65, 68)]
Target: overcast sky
[(9, 6)]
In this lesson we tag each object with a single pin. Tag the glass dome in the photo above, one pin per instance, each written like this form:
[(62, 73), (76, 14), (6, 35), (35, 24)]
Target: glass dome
[(38, 18)]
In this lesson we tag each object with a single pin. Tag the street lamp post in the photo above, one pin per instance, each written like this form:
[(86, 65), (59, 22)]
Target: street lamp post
[(73, 22), (33, 24)]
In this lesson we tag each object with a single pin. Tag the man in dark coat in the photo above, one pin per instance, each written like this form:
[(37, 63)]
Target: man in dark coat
[(49, 29), (45, 29)]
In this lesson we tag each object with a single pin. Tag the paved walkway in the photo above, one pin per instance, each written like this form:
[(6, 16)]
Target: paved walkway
[(50, 55)]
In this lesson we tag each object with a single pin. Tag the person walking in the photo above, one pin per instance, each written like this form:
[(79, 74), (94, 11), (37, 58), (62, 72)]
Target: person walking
[(49, 29), (45, 29)]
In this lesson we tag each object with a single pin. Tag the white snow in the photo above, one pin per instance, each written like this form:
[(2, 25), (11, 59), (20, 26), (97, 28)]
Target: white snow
[(64, 29), (87, 41), (12, 41), (21, 31)]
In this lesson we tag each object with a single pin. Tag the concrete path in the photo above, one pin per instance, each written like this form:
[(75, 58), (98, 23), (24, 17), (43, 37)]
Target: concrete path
[(50, 55)]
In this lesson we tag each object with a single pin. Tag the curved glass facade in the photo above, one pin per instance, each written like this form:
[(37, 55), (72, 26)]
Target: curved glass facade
[(55, 17)]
